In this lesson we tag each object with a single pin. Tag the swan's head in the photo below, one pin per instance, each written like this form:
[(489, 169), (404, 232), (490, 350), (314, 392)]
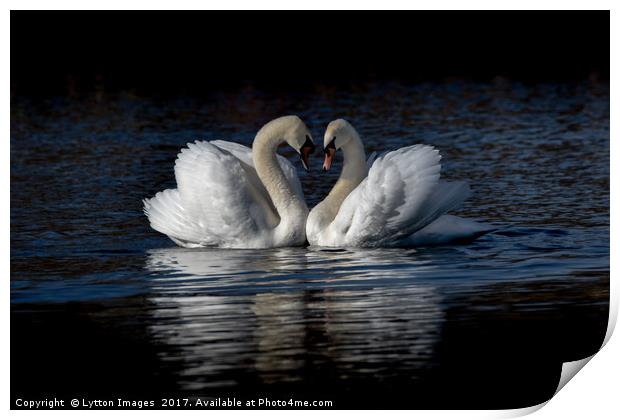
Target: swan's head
[(338, 133), (294, 132)]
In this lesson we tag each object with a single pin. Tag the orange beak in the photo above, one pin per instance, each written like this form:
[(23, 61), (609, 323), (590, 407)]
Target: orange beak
[(330, 152)]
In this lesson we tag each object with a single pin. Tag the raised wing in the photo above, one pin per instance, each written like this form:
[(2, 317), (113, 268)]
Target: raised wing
[(400, 195), (215, 202)]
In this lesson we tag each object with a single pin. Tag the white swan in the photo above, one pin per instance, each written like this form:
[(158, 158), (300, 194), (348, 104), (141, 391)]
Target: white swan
[(231, 196), (395, 199)]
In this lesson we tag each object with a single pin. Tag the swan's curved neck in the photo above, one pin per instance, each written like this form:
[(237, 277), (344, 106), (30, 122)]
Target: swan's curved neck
[(354, 170), (291, 209)]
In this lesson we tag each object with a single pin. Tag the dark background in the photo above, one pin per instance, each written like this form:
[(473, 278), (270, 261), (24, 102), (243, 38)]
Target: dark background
[(63, 52)]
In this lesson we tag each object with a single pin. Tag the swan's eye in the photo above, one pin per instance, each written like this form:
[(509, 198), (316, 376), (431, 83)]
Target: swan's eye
[(334, 139)]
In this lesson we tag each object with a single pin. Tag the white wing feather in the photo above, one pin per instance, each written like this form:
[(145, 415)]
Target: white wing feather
[(214, 202), (400, 195)]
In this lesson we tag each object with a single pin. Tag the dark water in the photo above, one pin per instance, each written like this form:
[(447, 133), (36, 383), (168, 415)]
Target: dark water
[(104, 307)]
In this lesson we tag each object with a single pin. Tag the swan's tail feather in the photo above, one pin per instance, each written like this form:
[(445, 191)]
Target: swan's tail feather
[(448, 229), (167, 215), (445, 197)]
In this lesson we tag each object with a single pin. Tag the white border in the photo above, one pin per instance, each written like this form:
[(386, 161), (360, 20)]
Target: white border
[(314, 5), (592, 394)]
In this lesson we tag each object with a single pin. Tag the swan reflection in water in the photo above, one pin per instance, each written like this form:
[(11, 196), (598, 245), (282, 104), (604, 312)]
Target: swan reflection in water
[(292, 314)]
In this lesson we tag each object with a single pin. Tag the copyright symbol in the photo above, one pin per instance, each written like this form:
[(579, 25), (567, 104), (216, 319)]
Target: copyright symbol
[(74, 402)]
